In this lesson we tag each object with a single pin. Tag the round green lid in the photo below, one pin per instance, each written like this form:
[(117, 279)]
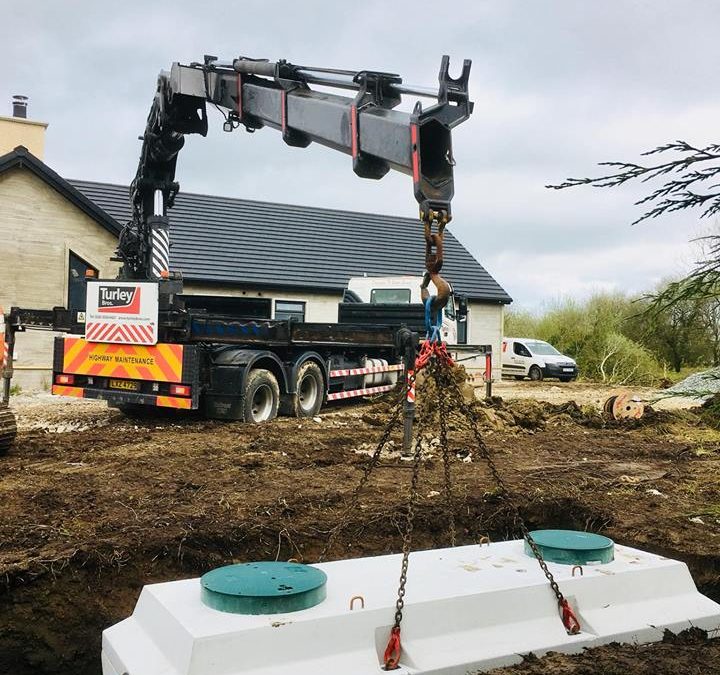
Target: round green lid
[(570, 547), (263, 588)]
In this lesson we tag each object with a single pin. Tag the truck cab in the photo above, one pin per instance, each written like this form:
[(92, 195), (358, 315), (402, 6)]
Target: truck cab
[(399, 290), (536, 359)]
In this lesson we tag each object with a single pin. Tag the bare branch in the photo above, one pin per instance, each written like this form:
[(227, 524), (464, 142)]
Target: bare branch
[(673, 195)]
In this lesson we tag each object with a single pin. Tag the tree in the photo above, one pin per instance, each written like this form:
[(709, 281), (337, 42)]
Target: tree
[(592, 332), (676, 333), (710, 317), (690, 180)]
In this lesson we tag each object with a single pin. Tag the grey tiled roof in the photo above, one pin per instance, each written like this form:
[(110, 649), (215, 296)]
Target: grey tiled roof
[(237, 241)]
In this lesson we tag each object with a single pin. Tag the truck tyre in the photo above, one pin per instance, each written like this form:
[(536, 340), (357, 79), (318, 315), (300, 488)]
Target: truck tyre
[(535, 374), (310, 388), (261, 397)]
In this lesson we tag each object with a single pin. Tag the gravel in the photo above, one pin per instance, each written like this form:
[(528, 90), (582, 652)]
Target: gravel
[(698, 385)]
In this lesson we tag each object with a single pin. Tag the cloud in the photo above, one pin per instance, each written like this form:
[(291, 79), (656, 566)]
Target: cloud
[(544, 277), (558, 86)]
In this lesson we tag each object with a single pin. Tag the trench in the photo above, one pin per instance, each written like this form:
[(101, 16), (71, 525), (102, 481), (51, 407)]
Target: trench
[(52, 624)]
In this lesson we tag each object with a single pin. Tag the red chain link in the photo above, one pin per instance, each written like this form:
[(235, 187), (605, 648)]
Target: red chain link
[(430, 349), (393, 650), (570, 621)]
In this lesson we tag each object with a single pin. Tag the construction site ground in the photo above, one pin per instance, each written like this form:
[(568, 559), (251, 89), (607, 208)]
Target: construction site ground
[(95, 505)]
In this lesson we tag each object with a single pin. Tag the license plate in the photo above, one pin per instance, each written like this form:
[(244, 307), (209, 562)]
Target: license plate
[(568, 370), (126, 385)]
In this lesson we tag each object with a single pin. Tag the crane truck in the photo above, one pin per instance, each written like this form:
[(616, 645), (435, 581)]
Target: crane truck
[(137, 344)]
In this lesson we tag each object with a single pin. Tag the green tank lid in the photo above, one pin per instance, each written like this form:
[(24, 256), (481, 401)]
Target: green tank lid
[(570, 547), (263, 588)]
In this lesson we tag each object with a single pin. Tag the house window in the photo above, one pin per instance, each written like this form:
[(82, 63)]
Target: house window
[(285, 309), (382, 296), (77, 289)]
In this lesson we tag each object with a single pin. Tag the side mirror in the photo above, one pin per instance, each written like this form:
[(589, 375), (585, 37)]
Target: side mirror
[(462, 308)]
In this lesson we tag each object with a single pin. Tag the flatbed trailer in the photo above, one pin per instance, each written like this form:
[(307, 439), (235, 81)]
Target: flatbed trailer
[(301, 366), (230, 368)]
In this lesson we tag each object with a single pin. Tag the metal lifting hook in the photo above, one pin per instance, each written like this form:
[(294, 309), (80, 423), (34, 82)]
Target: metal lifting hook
[(433, 264)]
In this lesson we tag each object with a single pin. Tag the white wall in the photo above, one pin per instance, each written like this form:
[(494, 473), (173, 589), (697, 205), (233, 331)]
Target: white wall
[(485, 327)]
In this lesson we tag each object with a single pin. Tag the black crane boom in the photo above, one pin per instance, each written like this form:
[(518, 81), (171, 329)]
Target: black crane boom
[(259, 93)]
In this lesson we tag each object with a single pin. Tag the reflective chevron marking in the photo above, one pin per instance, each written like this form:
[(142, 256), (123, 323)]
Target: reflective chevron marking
[(365, 371), (59, 390), (138, 334), (157, 363), (173, 402), (360, 392)]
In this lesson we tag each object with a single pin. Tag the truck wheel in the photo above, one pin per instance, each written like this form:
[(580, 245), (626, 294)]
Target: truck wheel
[(8, 430), (261, 397), (535, 374), (310, 390)]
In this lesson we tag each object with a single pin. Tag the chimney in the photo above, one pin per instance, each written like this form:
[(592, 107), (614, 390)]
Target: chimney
[(19, 130), (19, 104)]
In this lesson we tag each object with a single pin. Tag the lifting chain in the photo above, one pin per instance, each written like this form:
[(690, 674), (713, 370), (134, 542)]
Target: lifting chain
[(440, 371), (394, 649), (435, 356), (572, 625)]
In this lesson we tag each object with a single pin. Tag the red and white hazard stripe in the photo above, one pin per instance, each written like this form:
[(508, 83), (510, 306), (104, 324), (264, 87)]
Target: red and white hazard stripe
[(411, 389), (137, 334), (3, 347), (360, 392), (365, 371)]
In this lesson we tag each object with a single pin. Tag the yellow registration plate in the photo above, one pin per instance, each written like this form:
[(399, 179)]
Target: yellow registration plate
[(127, 385)]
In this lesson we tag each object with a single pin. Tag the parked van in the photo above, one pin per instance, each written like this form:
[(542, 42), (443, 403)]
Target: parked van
[(525, 357)]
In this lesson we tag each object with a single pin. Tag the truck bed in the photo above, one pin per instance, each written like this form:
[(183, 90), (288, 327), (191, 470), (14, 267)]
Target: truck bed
[(288, 333)]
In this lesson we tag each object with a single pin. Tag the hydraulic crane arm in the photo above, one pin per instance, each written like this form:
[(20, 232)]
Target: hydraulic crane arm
[(259, 94)]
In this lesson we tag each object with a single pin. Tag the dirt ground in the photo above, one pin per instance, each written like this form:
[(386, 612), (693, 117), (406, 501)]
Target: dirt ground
[(95, 505)]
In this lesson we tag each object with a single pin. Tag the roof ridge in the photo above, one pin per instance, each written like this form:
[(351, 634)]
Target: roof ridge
[(257, 201)]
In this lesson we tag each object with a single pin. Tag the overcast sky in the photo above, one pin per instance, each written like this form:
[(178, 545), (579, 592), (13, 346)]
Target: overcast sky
[(558, 86)]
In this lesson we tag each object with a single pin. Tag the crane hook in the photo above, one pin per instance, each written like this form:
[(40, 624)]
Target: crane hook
[(434, 248)]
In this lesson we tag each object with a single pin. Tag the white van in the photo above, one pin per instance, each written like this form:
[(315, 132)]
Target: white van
[(525, 357)]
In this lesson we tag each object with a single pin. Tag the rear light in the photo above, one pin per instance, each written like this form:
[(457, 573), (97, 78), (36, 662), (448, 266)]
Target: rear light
[(64, 379), (180, 389)]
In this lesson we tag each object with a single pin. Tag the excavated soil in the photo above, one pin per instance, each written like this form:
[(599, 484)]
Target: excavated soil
[(90, 515)]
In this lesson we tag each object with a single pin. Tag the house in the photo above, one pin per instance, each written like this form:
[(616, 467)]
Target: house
[(272, 260)]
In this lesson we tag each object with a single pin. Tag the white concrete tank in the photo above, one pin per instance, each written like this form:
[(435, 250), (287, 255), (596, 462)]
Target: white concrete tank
[(468, 608)]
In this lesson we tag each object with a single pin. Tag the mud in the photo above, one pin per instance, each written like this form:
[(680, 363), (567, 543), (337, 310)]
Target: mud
[(91, 515), (689, 653)]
